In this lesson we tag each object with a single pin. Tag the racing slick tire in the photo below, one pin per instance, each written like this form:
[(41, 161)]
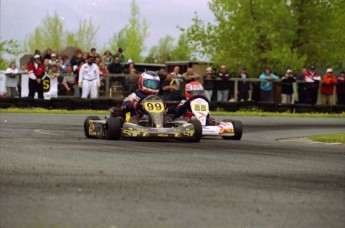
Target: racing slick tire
[(113, 128), (86, 124), (197, 130), (238, 129)]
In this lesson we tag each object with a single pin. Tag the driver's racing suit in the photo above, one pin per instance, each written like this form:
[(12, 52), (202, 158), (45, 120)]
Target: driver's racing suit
[(183, 109), (129, 104)]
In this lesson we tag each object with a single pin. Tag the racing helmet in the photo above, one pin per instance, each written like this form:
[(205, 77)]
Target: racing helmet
[(193, 89), (149, 83)]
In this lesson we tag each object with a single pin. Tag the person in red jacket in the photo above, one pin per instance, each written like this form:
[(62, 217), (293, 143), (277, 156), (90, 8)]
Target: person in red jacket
[(327, 88), (312, 81), (36, 71)]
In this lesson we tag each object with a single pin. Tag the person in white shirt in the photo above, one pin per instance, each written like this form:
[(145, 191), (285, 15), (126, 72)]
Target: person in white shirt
[(89, 78), (12, 79)]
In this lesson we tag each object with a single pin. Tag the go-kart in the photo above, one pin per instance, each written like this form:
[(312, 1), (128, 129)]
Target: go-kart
[(228, 129), (154, 124)]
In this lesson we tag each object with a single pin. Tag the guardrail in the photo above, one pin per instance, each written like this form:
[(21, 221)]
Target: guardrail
[(109, 89), (71, 103)]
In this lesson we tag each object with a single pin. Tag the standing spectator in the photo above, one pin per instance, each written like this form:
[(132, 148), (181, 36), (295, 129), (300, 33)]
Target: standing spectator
[(103, 71), (341, 88), (301, 90), (266, 87), (65, 61), (93, 53), (37, 52), (107, 58), (54, 74), (177, 77), (132, 81), (48, 54), (131, 65), (312, 85), (327, 88), (168, 88), (46, 65), (115, 68), (287, 87), (222, 84), (189, 76), (59, 66), (70, 78), (162, 73), (208, 83), (244, 86), (89, 78), (76, 60), (53, 59), (36, 71), (120, 55), (25, 71), (97, 60), (11, 79)]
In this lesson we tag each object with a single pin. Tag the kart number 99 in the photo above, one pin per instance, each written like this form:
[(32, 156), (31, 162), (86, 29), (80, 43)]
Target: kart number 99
[(153, 106)]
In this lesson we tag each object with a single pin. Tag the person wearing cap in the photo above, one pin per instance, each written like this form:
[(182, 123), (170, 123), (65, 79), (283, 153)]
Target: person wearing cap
[(53, 75), (287, 87), (36, 71), (53, 59), (208, 82), (327, 88), (312, 85), (266, 87), (89, 78), (243, 86)]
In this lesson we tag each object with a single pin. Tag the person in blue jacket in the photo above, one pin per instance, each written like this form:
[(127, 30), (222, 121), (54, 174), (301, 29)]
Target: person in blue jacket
[(266, 86)]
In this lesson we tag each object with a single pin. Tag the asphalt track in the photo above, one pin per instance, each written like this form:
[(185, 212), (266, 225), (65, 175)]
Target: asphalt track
[(52, 176)]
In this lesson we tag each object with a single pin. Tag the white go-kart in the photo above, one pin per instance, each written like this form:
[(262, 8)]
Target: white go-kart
[(227, 129)]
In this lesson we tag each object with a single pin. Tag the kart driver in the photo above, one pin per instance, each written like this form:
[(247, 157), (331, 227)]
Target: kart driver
[(183, 109), (148, 84)]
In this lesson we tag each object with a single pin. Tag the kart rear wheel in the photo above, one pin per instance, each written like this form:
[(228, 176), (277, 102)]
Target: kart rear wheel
[(197, 130), (237, 128), (113, 128), (87, 124)]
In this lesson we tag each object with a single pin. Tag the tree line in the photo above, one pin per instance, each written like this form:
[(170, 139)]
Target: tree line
[(256, 33)]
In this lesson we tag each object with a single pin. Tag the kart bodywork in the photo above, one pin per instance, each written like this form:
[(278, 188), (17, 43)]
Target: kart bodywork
[(227, 129), (153, 125)]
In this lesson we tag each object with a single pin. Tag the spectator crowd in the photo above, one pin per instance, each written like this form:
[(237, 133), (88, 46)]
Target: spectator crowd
[(85, 75)]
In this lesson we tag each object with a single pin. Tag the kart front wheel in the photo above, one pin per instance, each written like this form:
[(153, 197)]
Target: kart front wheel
[(113, 128), (197, 130), (238, 129), (87, 124)]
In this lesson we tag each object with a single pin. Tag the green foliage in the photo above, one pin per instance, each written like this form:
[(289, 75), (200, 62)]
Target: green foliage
[(278, 34), (161, 52), (85, 36), (131, 38), (51, 34), (182, 50), (118, 40), (10, 48), (166, 51)]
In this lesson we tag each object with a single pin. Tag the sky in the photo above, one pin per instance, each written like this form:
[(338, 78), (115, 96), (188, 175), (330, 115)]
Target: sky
[(20, 17)]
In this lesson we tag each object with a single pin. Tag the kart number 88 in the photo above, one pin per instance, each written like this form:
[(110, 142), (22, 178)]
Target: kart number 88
[(154, 106), (200, 107)]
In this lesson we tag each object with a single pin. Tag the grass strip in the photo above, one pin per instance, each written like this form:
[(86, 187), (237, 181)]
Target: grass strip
[(329, 138)]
